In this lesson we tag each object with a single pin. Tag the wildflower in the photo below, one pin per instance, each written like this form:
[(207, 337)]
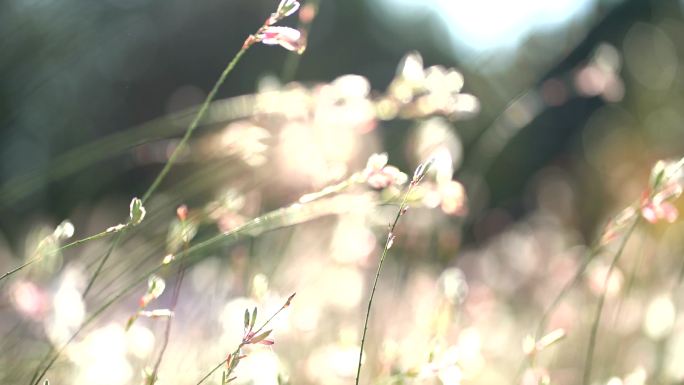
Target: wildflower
[(657, 208), (435, 90), (288, 38), (379, 175)]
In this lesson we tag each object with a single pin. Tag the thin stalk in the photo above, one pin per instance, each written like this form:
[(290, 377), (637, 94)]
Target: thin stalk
[(388, 244), (564, 291), (160, 177), (181, 145), (270, 221), (586, 377), (169, 322), (42, 255), (195, 122), (157, 181), (541, 326), (104, 259)]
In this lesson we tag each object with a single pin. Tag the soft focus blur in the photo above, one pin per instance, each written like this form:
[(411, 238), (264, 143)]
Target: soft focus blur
[(544, 119)]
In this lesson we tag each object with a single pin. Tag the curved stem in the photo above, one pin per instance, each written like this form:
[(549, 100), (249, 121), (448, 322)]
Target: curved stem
[(42, 255), (104, 259), (276, 219), (586, 377), (160, 177), (193, 125), (169, 322), (388, 244)]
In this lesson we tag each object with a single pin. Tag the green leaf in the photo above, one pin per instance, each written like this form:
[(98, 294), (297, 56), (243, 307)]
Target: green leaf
[(246, 318), (130, 321), (254, 317), (137, 211), (260, 337), (234, 361)]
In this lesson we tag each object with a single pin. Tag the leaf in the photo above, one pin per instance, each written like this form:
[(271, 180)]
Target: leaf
[(130, 321), (137, 211), (254, 317), (246, 318), (234, 361), (289, 299), (260, 337), (421, 170), (65, 230), (155, 286)]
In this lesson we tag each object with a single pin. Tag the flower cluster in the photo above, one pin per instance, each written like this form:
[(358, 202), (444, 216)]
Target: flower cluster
[(288, 38), (416, 92), (655, 205), (665, 186)]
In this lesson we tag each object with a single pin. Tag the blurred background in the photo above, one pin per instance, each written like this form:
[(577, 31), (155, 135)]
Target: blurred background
[(552, 122)]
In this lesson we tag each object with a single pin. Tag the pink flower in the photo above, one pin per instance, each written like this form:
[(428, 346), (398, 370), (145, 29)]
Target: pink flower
[(288, 38), (379, 175), (657, 208)]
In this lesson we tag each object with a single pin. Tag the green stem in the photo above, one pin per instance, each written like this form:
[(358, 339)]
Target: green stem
[(270, 221), (388, 242), (42, 255), (193, 125), (104, 259), (169, 322), (160, 177), (586, 377), (176, 152), (541, 326)]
